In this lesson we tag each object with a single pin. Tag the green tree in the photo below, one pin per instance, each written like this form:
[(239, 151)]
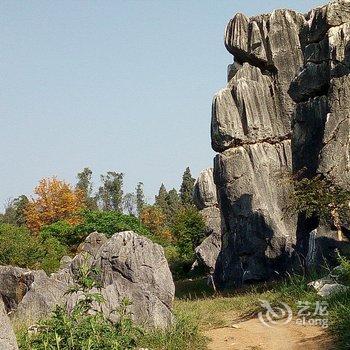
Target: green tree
[(110, 194), (85, 185), (187, 187), (188, 230), (140, 198), (129, 204), (173, 203), (161, 199), (15, 211)]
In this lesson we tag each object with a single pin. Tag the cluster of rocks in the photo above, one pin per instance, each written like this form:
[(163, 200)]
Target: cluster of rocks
[(285, 109), (131, 267)]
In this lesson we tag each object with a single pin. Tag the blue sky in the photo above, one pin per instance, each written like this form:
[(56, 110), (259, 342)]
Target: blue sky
[(118, 85)]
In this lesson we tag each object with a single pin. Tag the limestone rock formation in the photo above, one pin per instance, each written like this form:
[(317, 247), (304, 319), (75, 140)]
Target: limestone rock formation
[(7, 336), (132, 267), (285, 109), (251, 128), (320, 133), (204, 193), (205, 198), (135, 268)]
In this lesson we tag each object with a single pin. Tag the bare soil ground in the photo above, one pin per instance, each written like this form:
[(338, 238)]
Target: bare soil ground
[(253, 335)]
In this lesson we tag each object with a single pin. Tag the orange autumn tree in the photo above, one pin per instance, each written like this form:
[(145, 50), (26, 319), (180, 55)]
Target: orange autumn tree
[(154, 219), (54, 200)]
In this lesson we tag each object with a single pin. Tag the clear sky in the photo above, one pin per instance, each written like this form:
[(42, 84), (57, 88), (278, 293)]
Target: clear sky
[(117, 85)]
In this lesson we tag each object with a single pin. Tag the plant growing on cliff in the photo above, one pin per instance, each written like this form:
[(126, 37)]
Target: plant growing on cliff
[(322, 197)]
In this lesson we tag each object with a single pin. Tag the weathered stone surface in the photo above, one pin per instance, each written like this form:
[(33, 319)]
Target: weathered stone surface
[(322, 91), (43, 295), (135, 268), (312, 81), (321, 19), (14, 284), (335, 153), (205, 198), (208, 251), (204, 194), (289, 82), (251, 127), (132, 267), (253, 197), (7, 336), (330, 284), (307, 136), (248, 110)]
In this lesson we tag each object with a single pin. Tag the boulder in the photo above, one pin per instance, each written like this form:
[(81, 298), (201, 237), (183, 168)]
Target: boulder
[(7, 336), (134, 268), (329, 290), (330, 284), (131, 267)]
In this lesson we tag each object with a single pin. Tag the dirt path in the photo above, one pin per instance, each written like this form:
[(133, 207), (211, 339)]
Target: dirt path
[(253, 335)]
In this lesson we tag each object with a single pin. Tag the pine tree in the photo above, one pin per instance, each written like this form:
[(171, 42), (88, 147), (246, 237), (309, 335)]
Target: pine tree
[(173, 203), (161, 199), (140, 198), (187, 187)]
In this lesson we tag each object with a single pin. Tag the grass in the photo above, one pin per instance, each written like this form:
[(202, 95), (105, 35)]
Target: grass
[(198, 309), (213, 311)]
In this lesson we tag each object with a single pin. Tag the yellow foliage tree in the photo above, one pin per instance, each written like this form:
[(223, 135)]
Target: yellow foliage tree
[(155, 220), (54, 200)]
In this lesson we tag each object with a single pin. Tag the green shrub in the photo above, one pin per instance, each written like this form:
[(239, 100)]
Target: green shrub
[(188, 229), (107, 222), (62, 231), (19, 247)]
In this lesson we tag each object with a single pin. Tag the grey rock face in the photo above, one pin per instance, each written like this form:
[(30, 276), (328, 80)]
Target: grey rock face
[(324, 84), (7, 336), (251, 128), (320, 134), (132, 267), (135, 268), (204, 190), (208, 251), (205, 198), (285, 108), (44, 294)]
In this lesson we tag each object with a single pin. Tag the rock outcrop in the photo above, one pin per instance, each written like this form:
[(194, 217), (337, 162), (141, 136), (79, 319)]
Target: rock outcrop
[(205, 198), (251, 128), (285, 109), (7, 336), (131, 267), (320, 133)]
